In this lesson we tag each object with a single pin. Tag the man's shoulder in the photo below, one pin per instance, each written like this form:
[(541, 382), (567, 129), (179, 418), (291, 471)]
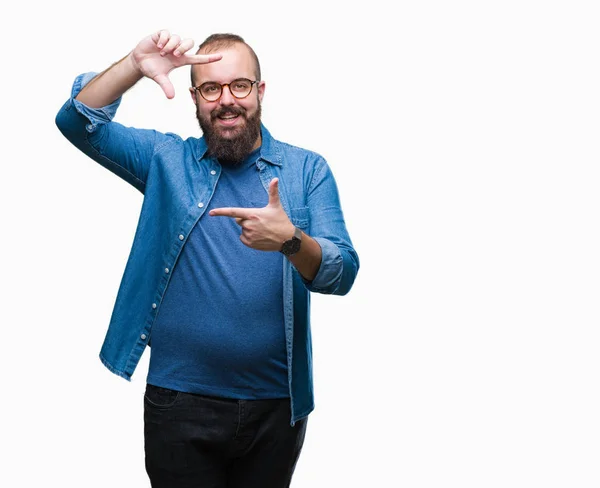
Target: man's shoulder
[(297, 153), (286, 146), (171, 140)]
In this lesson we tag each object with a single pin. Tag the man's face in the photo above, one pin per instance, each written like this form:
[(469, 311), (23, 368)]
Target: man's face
[(231, 126)]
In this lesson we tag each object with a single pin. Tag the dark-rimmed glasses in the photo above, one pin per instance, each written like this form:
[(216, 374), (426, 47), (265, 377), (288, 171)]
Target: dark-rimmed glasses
[(211, 91)]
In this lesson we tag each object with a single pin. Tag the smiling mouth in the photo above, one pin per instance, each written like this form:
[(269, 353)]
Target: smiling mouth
[(227, 114), (229, 119)]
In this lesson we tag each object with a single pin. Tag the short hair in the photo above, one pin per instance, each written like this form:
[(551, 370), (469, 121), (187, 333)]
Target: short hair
[(214, 42)]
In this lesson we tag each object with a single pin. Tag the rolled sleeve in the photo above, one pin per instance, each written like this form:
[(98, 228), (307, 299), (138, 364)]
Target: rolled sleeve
[(339, 261), (96, 116), (331, 267), (125, 151)]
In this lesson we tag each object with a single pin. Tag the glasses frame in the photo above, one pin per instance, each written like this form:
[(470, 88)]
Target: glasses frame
[(223, 85)]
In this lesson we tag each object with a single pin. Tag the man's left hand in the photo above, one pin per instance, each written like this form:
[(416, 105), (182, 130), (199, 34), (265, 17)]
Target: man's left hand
[(264, 228)]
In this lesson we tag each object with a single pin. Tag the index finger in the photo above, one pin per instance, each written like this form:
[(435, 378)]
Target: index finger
[(202, 58), (238, 213)]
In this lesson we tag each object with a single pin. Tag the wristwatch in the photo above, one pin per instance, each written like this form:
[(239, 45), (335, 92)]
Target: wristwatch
[(292, 246)]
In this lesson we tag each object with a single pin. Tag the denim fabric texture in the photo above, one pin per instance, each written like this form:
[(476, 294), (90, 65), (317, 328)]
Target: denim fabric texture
[(222, 442), (177, 179)]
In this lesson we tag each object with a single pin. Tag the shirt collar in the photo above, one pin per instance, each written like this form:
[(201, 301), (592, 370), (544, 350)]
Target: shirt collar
[(268, 149)]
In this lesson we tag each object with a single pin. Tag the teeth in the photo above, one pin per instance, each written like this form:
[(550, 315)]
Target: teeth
[(229, 116)]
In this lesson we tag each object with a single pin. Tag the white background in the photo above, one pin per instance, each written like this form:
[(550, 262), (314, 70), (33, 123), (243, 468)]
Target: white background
[(464, 140)]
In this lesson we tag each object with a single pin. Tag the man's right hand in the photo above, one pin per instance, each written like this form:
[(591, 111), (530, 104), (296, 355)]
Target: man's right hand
[(154, 57), (160, 53)]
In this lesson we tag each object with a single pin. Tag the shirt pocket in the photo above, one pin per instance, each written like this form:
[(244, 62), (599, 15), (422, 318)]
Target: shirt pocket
[(300, 217)]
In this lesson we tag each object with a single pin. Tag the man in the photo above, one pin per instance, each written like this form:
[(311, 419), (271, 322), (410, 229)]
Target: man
[(236, 229)]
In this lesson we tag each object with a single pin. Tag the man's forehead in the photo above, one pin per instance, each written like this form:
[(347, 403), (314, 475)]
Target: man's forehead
[(223, 47), (237, 61)]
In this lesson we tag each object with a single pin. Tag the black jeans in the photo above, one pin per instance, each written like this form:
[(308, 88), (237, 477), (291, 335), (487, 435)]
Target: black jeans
[(206, 442)]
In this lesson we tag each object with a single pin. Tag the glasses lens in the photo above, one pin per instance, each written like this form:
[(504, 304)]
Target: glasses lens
[(240, 87), (210, 91)]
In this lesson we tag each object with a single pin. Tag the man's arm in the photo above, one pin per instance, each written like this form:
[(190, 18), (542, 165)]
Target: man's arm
[(267, 228), (339, 262), (111, 84), (308, 259), (154, 57), (86, 118), (327, 263)]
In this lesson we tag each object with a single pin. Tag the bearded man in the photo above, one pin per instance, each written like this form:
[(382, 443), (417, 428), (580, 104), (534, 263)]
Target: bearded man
[(236, 229)]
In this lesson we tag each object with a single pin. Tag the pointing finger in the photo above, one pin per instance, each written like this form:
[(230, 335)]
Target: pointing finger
[(241, 213)]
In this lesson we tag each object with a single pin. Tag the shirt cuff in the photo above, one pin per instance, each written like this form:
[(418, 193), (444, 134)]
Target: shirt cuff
[(331, 267), (96, 116)]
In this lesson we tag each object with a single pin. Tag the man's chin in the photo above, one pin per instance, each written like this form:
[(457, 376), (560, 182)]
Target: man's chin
[(230, 133), (227, 132)]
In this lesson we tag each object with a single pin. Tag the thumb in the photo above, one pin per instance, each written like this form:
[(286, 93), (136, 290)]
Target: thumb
[(166, 85), (274, 192)]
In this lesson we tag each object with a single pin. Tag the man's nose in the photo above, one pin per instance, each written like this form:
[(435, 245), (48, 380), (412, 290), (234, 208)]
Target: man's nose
[(226, 97)]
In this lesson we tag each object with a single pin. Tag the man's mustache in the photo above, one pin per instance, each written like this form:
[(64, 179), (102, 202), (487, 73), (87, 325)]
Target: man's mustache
[(226, 111)]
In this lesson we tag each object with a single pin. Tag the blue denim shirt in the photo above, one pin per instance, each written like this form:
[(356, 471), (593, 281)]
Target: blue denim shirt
[(178, 179)]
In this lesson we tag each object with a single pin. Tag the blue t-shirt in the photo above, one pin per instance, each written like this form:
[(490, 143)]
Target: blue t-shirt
[(220, 328)]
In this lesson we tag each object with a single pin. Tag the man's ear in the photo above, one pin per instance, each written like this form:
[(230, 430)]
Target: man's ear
[(193, 94), (261, 90)]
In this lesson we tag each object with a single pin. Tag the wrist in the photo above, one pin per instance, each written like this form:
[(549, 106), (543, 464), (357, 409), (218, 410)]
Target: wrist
[(131, 65), (292, 245), (288, 233)]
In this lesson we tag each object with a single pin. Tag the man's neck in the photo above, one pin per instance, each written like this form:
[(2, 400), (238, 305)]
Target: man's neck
[(258, 142)]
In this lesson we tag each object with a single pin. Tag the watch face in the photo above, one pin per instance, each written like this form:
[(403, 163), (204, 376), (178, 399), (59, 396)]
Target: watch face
[(291, 247)]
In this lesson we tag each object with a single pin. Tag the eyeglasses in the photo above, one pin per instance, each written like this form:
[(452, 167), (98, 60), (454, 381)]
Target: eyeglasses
[(211, 91)]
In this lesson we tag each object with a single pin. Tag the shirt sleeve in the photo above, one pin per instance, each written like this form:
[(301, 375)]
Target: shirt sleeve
[(125, 151), (339, 261)]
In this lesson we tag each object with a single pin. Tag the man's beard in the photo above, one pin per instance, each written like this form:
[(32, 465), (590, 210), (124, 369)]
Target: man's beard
[(232, 150)]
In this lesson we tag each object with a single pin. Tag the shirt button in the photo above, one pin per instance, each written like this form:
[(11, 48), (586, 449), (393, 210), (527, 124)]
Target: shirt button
[(166, 270), (213, 172), (143, 337), (154, 305), (201, 204), (181, 237)]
